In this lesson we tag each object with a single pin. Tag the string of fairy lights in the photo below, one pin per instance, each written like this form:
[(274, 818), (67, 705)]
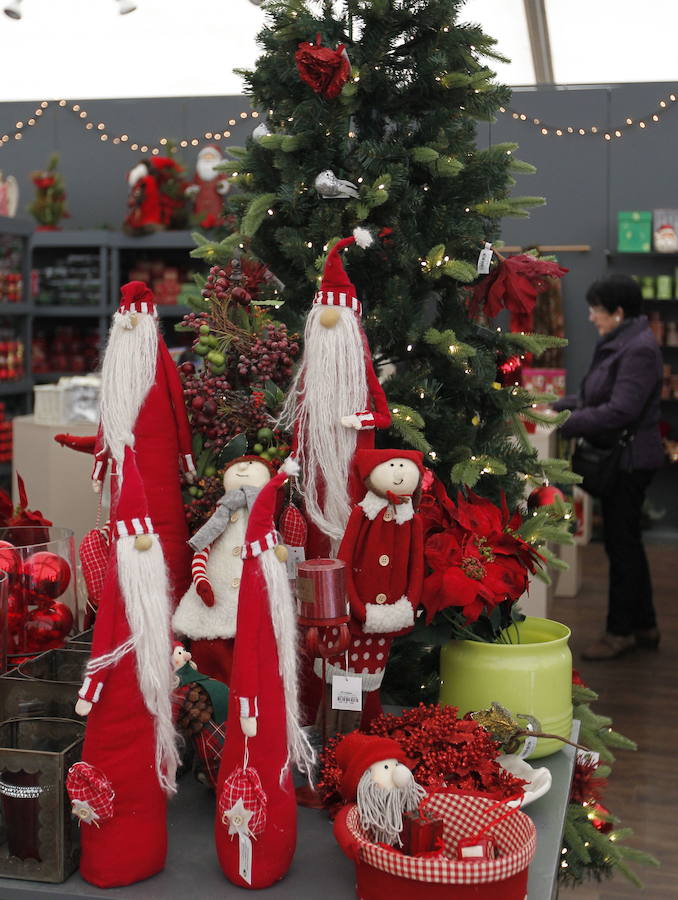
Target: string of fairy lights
[(641, 123), (124, 139)]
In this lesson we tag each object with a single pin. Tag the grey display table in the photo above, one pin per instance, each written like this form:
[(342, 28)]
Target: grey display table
[(319, 870)]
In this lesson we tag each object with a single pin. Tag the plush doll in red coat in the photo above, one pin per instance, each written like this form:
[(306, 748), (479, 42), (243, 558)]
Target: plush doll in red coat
[(142, 406), (256, 805), (384, 555), (334, 404), (129, 755), (207, 613)]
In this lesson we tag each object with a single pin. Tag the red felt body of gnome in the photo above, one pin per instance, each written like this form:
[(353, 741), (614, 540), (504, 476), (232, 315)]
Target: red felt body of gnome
[(263, 736), (384, 554), (142, 405), (334, 404), (126, 693)]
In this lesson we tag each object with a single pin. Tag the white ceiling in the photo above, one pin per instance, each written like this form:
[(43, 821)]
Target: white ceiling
[(79, 49)]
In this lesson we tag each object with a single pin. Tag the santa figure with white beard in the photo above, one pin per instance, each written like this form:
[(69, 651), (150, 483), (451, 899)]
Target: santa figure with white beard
[(129, 760), (208, 188), (335, 403), (143, 203), (142, 407)]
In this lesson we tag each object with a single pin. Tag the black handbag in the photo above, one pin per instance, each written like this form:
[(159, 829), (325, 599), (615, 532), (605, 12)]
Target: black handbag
[(599, 466)]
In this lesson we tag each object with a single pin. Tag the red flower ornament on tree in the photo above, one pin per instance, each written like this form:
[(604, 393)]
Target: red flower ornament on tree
[(325, 71)]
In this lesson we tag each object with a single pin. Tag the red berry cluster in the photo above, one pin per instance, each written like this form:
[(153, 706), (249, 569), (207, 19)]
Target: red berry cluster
[(271, 358), (444, 750)]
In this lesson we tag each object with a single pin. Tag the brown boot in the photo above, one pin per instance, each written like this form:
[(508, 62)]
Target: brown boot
[(609, 646)]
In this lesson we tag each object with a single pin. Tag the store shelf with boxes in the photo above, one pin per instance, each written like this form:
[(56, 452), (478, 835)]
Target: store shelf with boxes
[(647, 249), (15, 332)]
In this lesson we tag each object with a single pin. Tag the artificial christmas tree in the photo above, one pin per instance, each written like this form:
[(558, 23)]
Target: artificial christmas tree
[(399, 143)]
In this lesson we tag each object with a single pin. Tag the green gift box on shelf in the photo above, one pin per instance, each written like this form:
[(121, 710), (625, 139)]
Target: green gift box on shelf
[(664, 287), (634, 231)]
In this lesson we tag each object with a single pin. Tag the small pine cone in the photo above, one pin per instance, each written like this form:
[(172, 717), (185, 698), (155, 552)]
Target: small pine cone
[(196, 710)]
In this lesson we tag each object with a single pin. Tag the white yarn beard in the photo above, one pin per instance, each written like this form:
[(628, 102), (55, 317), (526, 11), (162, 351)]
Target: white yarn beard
[(127, 375), (284, 618), (331, 382), (145, 590), (381, 810)]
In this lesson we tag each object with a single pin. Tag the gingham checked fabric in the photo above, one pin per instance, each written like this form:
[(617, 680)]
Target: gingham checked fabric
[(94, 551), (244, 784), (462, 815), (209, 743), (293, 527), (90, 792)]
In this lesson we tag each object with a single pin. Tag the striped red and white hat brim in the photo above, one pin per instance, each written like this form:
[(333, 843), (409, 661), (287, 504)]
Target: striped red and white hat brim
[(338, 298), (252, 549), (132, 527)]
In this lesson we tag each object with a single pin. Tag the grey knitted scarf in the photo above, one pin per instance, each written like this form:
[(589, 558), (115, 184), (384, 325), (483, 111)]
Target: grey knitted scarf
[(215, 526)]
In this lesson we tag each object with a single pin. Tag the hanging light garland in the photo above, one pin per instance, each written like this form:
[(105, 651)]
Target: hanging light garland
[(605, 134), (123, 138)]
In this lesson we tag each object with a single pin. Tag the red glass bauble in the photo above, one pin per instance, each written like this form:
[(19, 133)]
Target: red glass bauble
[(16, 620), (47, 626), (602, 824), (10, 560), (46, 576), (544, 496)]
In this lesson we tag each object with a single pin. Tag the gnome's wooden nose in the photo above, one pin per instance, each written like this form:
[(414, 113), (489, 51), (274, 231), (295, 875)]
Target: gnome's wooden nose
[(329, 317)]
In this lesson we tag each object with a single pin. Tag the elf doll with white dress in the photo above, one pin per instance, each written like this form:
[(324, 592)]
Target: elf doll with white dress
[(384, 555), (207, 613)]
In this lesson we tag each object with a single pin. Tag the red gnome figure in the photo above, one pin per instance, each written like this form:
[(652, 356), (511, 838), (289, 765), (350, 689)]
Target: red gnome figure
[(143, 202), (129, 754), (142, 406), (384, 555), (334, 404), (255, 794)]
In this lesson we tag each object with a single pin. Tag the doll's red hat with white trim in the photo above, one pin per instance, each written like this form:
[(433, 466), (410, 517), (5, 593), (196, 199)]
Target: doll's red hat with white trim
[(336, 288), (366, 460), (132, 510), (357, 752), (136, 297)]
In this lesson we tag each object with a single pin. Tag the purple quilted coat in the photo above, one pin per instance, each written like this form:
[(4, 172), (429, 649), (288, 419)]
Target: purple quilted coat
[(621, 390)]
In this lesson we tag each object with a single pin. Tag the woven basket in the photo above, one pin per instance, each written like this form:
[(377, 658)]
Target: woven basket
[(382, 872)]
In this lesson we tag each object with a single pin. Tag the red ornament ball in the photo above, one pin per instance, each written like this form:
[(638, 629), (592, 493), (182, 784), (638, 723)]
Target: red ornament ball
[(10, 560), (48, 626), (544, 496), (16, 619), (46, 575)]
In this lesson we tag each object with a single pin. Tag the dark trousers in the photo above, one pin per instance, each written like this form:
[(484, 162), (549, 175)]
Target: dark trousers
[(630, 591)]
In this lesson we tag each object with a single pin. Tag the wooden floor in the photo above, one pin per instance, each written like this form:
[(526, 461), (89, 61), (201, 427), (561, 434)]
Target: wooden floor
[(640, 693)]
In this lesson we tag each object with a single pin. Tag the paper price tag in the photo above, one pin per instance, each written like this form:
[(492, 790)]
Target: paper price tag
[(585, 757), (347, 692), (529, 746), (484, 260), (295, 555), (245, 863)]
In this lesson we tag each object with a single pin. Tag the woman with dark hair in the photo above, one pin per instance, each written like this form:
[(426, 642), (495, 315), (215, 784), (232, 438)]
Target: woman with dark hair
[(621, 393)]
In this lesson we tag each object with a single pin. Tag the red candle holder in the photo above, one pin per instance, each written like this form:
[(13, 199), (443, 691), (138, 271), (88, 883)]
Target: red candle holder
[(322, 604)]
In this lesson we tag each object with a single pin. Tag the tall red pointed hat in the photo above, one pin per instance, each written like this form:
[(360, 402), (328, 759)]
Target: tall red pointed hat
[(336, 288)]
